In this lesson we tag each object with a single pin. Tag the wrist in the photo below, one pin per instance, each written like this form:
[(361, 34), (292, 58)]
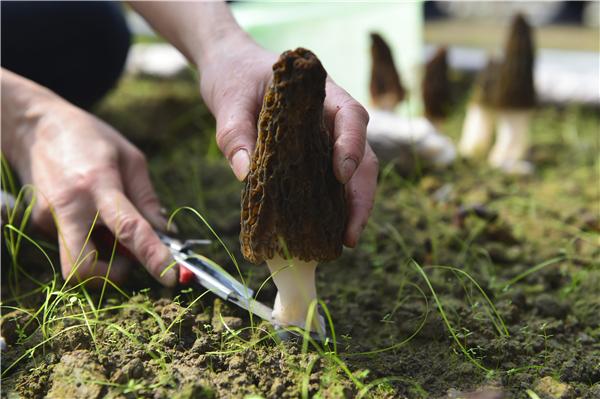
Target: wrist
[(218, 33), (218, 43), (198, 29), (24, 104)]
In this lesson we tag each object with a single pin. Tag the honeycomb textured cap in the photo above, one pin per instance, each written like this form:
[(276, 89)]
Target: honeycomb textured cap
[(292, 204), (515, 87), (385, 86), (437, 91), (486, 82)]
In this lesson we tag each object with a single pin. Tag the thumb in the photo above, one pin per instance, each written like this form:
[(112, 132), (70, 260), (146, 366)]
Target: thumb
[(236, 136)]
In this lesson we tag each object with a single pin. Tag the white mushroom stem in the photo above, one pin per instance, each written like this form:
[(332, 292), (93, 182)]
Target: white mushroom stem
[(512, 141), (386, 102), (297, 291), (477, 132)]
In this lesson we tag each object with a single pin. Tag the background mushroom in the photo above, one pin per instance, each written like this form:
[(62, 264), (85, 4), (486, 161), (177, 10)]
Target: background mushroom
[(293, 207), (515, 99), (436, 88), (385, 86), (478, 126)]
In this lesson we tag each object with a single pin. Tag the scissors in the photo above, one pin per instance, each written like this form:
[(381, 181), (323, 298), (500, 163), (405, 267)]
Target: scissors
[(194, 266)]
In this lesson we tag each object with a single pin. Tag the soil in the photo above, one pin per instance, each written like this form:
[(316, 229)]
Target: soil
[(531, 244)]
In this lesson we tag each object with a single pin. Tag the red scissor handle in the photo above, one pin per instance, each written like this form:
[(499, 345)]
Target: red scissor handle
[(185, 275)]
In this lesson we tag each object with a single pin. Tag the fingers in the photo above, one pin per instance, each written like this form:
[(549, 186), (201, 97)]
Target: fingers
[(354, 163), (133, 231), (349, 122), (139, 189), (236, 134), (360, 194), (78, 259)]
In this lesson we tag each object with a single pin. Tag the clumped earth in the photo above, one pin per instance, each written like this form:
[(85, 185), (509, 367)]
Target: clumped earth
[(412, 305)]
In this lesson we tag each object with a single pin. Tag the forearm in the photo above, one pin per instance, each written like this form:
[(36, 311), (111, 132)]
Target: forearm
[(23, 104), (196, 28)]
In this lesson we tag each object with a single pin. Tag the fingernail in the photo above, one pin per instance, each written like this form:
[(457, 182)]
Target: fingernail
[(159, 222), (173, 228), (170, 278), (165, 225), (348, 168), (168, 275), (240, 163), (353, 235)]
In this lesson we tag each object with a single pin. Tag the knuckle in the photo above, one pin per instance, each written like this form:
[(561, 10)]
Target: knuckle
[(150, 255), (374, 161), (370, 158), (138, 158), (147, 199), (136, 233), (86, 180), (105, 152), (83, 182), (350, 148), (127, 228), (357, 109), (226, 135), (233, 136), (361, 112), (356, 143), (41, 215)]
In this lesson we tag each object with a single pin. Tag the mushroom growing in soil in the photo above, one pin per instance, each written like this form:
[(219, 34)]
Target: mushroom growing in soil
[(385, 86), (515, 100), (293, 207), (437, 92), (478, 127)]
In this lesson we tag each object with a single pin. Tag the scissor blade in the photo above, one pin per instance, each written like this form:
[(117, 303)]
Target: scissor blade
[(224, 285), (253, 306), (266, 313)]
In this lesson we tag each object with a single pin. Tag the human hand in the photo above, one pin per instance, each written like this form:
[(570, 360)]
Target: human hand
[(233, 81), (81, 167)]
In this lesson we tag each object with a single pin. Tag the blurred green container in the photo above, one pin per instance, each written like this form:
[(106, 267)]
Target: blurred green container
[(338, 32)]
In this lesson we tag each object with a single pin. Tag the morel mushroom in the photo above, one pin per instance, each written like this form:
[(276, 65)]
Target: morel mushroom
[(437, 92), (478, 127), (293, 207), (386, 88), (515, 100)]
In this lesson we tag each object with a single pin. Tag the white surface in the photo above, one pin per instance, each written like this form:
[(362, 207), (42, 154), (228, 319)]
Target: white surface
[(393, 135), (538, 12), (560, 75), (157, 59)]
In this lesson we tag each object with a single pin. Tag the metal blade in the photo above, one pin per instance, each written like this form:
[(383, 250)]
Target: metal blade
[(254, 306), (266, 313)]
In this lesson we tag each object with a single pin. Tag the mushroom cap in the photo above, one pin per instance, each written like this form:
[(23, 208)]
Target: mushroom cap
[(292, 203), (385, 86), (515, 88), (485, 83), (437, 92)]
